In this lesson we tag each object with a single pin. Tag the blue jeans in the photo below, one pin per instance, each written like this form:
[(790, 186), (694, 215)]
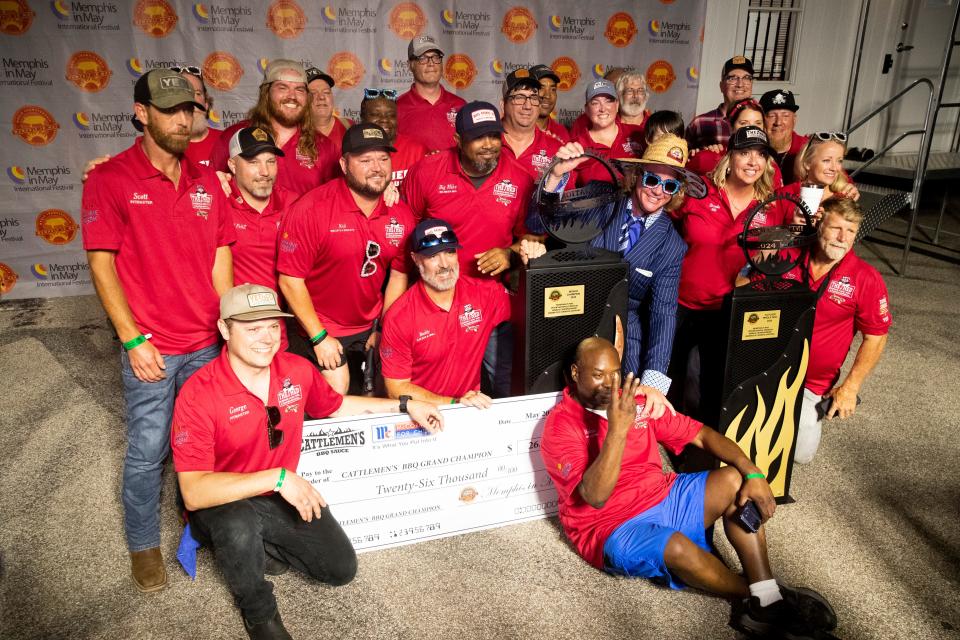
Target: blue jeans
[(149, 413), (498, 360)]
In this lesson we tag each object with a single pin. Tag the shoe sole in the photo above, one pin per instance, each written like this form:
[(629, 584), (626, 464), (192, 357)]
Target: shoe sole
[(151, 589), (813, 595), (763, 630)]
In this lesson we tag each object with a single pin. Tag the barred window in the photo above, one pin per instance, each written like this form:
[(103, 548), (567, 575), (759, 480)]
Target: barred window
[(771, 31)]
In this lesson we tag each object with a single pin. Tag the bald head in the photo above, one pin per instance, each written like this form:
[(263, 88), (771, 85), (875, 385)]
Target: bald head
[(592, 348)]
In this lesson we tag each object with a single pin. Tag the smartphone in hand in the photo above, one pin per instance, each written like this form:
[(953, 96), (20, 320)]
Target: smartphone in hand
[(748, 517)]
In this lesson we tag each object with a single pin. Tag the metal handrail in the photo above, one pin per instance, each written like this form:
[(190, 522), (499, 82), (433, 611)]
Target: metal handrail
[(886, 105), (889, 146)]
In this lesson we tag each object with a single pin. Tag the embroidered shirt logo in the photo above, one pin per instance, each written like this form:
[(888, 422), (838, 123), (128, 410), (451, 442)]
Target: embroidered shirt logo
[(202, 202), (505, 192), (394, 232), (471, 318)]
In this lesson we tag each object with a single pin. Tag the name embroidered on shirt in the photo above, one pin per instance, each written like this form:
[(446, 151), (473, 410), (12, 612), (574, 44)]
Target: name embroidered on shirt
[(446, 188), (140, 198), (425, 334), (238, 412), (342, 228)]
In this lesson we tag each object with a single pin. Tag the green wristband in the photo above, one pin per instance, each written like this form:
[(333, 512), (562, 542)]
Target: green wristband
[(755, 476), (317, 339), (454, 400), (283, 474), (136, 342)]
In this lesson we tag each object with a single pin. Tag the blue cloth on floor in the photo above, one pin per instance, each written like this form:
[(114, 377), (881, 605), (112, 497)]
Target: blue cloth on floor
[(187, 552)]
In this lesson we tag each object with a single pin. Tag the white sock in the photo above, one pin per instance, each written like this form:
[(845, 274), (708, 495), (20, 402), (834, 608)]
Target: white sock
[(766, 591)]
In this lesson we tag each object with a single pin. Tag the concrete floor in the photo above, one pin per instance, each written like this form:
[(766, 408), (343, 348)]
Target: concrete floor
[(874, 528)]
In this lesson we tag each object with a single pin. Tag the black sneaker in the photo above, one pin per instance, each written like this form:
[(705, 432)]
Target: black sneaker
[(274, 566), (811, 606), (778, 620), (272, 629)]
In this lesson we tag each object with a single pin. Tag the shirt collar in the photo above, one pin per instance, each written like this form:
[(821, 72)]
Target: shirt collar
[(347, 203)]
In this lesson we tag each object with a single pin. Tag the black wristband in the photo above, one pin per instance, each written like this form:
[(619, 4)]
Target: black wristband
[(403, 403)]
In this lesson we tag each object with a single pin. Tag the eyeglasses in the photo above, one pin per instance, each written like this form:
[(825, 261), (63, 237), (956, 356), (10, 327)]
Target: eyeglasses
[(369, 266), (738, 79), (447, 237), (519, 98), (274, 435), (652, 181), (192, 70), (432, 58), (827, 136), (634, 92), (373, 94)]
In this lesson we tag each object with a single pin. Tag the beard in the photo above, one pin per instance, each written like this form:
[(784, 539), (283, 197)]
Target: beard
[(478, 166), (199, 126), (173, 143), (834, 251), (363, 187), (444, 279), (261, 188), (282, 117)]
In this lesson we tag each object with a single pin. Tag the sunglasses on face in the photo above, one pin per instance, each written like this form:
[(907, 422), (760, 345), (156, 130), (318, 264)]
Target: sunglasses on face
[(447, 237), (652, 181), (827, 136), (373, 94), (369, 266), (192, 70), (274, 435)]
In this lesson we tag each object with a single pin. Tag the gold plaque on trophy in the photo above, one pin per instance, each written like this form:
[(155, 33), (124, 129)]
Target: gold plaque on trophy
[(563, 301), (761, 325)]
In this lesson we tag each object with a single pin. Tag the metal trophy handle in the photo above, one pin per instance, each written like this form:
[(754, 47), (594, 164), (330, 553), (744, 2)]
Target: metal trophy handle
[(582, 214), (767, 242)]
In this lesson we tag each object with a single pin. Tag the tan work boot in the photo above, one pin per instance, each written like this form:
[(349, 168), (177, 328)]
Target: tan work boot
[(149, 574)]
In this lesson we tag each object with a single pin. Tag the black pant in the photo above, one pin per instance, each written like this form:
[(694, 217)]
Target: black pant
[(706, 330), (354, 356), (238, 530)]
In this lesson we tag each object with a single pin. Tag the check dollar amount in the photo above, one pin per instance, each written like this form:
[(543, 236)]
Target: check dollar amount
[(390, 483)]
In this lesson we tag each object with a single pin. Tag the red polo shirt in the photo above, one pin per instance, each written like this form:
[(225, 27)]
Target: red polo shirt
[(558, 130), (324, 240), (582, 123), (437, 349), (336, 133), (572, 437), (219, 425), (536, 157), (201, 152), (484, 218), (627, 144), (296, 172), (430, 124), (408, 152), (854, 300), (165, 238), (713, 257), (787, 160)]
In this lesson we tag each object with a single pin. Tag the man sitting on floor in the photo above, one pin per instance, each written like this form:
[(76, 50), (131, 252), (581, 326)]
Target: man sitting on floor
[(626, 516), (236, 435)]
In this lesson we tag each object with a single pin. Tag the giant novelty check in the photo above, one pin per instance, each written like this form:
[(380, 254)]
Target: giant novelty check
[(390, 483)]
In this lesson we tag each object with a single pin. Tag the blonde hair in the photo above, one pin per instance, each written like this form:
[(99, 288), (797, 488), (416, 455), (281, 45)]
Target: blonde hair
[(762, 188), (845, 207), (804, 158), (259, 116)]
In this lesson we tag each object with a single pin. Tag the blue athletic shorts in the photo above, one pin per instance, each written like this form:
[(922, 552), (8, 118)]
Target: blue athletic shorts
[(635, 548)]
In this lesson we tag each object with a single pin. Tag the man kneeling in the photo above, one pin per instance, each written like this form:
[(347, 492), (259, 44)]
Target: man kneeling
[(626, 516), (236, 435)]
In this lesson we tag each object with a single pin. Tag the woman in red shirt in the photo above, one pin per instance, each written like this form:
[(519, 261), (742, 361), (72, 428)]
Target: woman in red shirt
[(743, 177), (820, 163)]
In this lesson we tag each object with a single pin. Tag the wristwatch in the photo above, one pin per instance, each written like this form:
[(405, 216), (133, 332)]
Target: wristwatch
[(403, 403)]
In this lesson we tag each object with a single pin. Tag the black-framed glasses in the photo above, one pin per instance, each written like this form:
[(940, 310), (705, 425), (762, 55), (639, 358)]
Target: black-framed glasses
[(274, 435), (192, 70), (433, 240), (432, 58), (738, 79), (373, 94), (827, 136), (652, 181), (369, 266), (519, 98)]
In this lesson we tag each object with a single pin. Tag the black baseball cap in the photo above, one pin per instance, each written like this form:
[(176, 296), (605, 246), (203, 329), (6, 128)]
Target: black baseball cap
[(315, 74), (738, 62), (365, 137), (251, 142), (778, 99), (432, 236), (543, 71), (520, 77), (477, 119), (749, 137)]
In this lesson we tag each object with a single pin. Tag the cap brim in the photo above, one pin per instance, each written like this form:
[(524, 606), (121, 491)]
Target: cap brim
[(550, 75), (440, 248), (259, 315), (372, 147), (694, 185), (323, 77), (259, 148), (482, 131), (529, 83)]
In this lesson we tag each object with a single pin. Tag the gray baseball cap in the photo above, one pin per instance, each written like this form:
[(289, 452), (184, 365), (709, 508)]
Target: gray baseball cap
[(601, 87), (278, 66), (420, 45)]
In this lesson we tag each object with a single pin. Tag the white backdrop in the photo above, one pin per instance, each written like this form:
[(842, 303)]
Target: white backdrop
[(67, 71)]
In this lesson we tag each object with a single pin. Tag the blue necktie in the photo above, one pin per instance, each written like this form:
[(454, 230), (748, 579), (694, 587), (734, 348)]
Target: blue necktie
[(630, 233)]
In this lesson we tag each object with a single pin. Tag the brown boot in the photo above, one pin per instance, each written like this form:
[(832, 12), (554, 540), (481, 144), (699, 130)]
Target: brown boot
[(149, 574)]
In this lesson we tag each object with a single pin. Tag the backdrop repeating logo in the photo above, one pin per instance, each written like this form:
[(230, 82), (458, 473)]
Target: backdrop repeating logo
[(385, 67), (620, 30), (56, 226), (54, 274), (349, 19), (346, 69), (24, 72), (693, 75), (155, 18), (134, 67), (17, 174), (10, 230), (664, 31), (496, 68), (85, 16), (15, 17), (563, 27), (222, 18), (394, 71), (222, 71), (407, 20), (465, 23), (518, 25), (88, 71), (46, 178), (660, 76), (214, 120), (8, 278), (286, 19), (459, 70), (35, 125), (598, 71), (97, 125), (39, 271), (567, 70)]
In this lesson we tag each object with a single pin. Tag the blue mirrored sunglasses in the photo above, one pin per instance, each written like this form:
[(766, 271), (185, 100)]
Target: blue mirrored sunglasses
[(373, 94), (447, 237), (652, 181)]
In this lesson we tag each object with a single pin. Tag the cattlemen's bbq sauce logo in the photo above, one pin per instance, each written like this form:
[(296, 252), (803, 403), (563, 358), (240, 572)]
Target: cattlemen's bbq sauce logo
[(326, 441)]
